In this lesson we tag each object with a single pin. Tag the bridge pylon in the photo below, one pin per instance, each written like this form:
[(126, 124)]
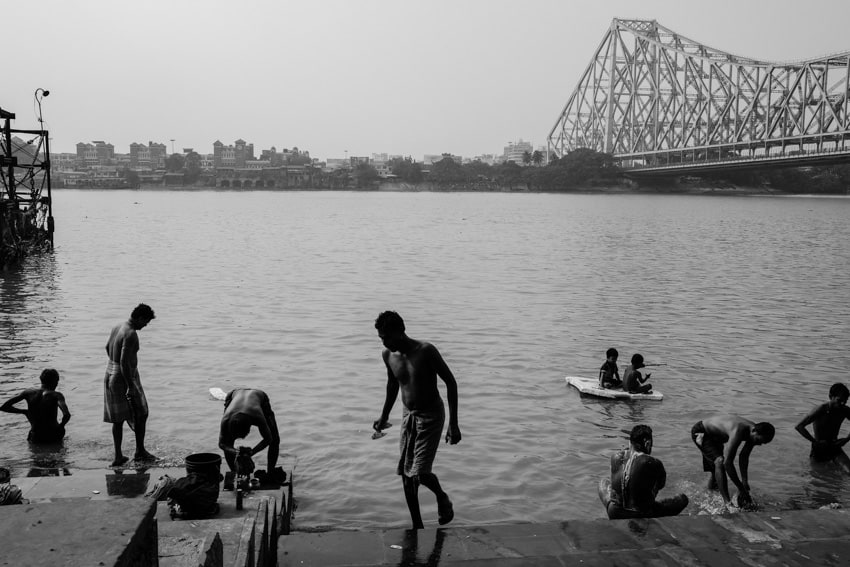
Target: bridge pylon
[(658, 101)]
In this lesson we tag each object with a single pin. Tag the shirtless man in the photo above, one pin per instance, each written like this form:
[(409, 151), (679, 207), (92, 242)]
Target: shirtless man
[(413, 367), (636, 479), (826, 422), (244, 407), (718, 438), (42, 405), (123, 396)]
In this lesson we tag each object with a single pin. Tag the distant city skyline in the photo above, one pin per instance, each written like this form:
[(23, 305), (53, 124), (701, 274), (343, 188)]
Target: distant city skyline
[(340, 77)]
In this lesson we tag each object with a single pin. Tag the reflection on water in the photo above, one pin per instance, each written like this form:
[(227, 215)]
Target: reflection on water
[(746, 301), (415, 555), (127, 482)]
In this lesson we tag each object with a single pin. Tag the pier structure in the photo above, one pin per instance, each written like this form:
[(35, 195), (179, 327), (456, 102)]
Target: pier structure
[(26, 204)]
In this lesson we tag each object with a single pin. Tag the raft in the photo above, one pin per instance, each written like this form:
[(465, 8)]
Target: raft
[(590, 387)]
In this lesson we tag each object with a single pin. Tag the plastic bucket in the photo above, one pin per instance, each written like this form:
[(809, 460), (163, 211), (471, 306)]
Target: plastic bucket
[(204, 463)]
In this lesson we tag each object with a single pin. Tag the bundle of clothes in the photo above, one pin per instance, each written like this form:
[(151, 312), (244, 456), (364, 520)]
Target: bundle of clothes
[(194, 496), (9, 493)]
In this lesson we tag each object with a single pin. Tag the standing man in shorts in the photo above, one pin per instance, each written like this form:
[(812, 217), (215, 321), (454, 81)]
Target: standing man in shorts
[(718, 439), (413, 367), (826, 420), (123, 396)]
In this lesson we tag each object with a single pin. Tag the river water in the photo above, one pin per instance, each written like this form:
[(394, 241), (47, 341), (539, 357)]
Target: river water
[(745, 300)]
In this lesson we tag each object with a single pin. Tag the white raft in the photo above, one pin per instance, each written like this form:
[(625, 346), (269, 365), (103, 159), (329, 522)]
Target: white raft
[(590, 387)]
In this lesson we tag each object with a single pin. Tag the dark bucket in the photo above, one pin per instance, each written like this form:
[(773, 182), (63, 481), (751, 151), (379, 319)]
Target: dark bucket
[(208, 464)]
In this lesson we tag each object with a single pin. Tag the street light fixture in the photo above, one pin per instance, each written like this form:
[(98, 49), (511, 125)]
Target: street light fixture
[(38, 100)]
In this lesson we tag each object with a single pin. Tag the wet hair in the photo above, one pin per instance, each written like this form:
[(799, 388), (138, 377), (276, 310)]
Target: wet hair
[(49, 377), (839, 390), (637, 359), (764, 430), (611, 352), (640, 435), (389, 321), (143, 311)]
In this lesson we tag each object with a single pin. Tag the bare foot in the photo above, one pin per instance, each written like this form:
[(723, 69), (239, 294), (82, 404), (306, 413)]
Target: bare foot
[(143, 456), (445, 510), (119, 461)]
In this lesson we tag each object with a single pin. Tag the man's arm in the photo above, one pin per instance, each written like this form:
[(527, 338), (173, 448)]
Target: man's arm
[(392, 394), (453, 435), (9, 406), (266, 434), (729, 458), (225, 440), (129, 361), (810, 418), (63, 407)]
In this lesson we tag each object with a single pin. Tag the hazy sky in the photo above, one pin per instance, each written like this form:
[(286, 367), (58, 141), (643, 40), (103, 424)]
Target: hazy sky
[(362, 76)]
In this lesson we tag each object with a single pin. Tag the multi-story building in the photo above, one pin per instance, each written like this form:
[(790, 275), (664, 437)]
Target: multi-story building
[(150, 157), (232, 156), (515, 150), (434, 158)]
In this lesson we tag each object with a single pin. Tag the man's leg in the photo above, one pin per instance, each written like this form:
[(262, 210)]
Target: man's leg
[(411, 495), (117, 438), (141, 453), (445, 510), (669, 506), (720, 478)]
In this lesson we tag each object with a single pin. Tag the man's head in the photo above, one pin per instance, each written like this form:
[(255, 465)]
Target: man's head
[(641, 438), (838, 394), (762, 433), (637, 361), (49, 378), (612, 354), (142, 315), (390, 327)]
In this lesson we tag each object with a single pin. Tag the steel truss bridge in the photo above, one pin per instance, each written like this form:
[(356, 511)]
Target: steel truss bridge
[(661, 103)]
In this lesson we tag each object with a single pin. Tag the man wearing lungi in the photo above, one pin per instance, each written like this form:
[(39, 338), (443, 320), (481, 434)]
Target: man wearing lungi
[(413, 367), (123, 396)]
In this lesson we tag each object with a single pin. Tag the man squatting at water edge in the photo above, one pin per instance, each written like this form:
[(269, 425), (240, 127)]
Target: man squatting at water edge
[(413, 367), (636, 479)]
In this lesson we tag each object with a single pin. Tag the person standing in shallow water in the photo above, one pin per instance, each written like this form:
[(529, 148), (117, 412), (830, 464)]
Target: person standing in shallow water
[(42, 406), (826, 420), (123, 396), (412, 368)]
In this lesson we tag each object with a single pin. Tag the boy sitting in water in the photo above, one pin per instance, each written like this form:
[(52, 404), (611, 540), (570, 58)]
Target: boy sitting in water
[(42, 405), (826, 422), (609, 374), (633, 382)]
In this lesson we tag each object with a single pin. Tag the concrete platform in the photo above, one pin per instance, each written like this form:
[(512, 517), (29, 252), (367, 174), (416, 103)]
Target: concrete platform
[(802, 537), (233, 537)]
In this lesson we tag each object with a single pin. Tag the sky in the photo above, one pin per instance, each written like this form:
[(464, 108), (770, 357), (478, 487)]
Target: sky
[(347, 77)]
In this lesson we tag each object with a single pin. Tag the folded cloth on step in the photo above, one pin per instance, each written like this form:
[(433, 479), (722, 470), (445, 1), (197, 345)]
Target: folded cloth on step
[(10, 494), (160, 489), (197, 495)]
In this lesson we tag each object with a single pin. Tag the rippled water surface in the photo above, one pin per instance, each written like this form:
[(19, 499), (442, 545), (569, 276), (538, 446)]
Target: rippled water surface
[(746, 301)]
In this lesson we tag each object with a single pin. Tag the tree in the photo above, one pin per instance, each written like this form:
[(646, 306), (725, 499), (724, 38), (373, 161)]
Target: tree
[(509, 173), (526, 158), (192, 167), (447, 171), (175, 163), (406, 169), (365, 175), (537, 157)]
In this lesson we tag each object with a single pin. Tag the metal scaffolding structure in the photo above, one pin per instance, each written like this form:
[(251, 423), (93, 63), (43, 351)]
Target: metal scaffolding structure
[(26, 206), (655, 99)]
